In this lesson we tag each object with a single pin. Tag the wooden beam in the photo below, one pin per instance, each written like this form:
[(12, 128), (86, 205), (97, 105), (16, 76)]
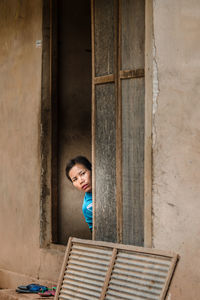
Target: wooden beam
[(54, 118), (64, 265), (171, 271), (108, 274), (150, 251), (104, 79), (126, 74)]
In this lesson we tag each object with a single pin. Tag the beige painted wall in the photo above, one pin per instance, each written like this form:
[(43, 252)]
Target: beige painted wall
[(20, 101), (176, 139)]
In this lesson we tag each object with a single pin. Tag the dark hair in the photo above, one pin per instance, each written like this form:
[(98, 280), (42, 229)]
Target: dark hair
[(77, 160)]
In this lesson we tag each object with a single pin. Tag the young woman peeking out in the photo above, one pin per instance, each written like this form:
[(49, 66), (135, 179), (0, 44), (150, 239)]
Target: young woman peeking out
[(79, 172)]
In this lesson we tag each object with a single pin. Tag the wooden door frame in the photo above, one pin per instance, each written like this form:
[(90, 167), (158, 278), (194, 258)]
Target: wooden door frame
[(48, 133), (148, 123)]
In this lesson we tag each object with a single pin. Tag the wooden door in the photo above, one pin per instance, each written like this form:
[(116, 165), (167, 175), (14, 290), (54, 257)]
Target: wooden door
[(118, 120)]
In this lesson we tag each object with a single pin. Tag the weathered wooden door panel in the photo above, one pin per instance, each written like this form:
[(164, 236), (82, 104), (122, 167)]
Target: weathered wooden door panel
[(118, 120), (104, 119), (105, 162), (133, 160)]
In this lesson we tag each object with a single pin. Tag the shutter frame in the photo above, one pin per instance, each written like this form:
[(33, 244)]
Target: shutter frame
[(114, 270)]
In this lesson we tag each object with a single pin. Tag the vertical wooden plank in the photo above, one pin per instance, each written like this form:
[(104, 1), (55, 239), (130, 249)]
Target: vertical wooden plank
[(104, 37), (133, 34), (133, 160), (54, 121), (105, 163), (148, 124), (108, 274), (93, 121), (119, 128), (64, 265), (169, 277)]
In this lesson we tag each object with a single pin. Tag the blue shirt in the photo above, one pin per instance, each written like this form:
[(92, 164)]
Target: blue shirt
[(87, 209)]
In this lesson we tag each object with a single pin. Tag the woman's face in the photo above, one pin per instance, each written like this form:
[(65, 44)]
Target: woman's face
[(81, 178)]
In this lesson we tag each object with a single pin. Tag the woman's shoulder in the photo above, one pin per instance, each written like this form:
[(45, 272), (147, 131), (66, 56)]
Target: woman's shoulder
[(88, 196)]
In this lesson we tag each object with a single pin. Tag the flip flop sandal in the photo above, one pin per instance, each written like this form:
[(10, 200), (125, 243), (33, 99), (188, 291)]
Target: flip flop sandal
[(48, 293), (31, 288)]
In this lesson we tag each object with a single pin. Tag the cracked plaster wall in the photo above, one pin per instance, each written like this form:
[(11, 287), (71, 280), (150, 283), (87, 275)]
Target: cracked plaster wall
[(176, 139)]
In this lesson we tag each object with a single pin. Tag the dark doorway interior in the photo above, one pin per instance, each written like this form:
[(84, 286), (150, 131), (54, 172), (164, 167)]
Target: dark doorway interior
[(74, 109)]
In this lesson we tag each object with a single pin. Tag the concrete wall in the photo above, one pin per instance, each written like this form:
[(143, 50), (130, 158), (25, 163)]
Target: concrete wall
[(176, 139), (21, 258)]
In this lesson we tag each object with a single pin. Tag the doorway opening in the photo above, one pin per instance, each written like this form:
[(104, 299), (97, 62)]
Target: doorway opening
[(114, 74), (71, 119)]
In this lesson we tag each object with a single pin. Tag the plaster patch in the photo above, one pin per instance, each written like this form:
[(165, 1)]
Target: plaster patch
[(156, 91), (155, 80)]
